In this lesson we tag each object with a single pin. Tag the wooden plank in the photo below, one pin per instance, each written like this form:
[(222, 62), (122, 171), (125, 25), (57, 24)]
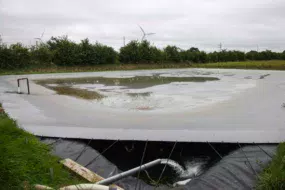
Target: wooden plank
[(83, 172)]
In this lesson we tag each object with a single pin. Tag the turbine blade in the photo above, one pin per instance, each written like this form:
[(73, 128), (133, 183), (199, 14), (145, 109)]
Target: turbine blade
[(43, 33), (142, 30), (150, 34)]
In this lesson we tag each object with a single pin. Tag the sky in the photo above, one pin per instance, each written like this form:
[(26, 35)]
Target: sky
[(236, 24)]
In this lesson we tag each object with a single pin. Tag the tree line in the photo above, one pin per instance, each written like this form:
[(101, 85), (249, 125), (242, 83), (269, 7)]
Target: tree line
[(61, 51)]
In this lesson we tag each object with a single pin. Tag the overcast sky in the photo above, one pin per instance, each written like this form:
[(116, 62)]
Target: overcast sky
[(237, 24)]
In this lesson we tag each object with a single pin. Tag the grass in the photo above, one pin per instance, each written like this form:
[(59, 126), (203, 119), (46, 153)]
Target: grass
[(265, 65), (107, 67), (25, 161), (270, 65), (273, 177)]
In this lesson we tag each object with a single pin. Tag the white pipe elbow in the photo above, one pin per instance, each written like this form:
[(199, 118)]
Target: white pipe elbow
[(86, 187)]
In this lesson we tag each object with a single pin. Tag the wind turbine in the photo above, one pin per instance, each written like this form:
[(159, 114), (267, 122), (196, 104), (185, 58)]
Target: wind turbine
[(145, 34), (40, 38), (220, 46)]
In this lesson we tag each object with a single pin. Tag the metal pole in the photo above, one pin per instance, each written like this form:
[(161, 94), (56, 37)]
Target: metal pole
[(215, 150), (129, 172), (157, 183), (141, 164), (18, 80), (265, 152), (248, 160), (28, 85), (83, 150), (100, 154)]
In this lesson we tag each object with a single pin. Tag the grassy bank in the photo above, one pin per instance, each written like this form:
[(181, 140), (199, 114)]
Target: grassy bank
[(270, 65), (25, 161), (111, 67), (273, 177)]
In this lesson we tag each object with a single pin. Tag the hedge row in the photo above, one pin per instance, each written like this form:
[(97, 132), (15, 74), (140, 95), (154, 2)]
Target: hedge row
[(63, 52)]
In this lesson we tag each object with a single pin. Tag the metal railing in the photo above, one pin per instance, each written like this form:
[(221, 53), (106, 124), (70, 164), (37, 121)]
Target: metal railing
[(28, 85)]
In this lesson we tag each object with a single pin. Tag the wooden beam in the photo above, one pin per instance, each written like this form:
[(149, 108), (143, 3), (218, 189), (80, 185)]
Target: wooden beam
[(83, 172)]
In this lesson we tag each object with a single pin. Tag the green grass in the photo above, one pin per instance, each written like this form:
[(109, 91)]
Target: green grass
[(270, 65), (25, 161), (266, 65), (108, 67), (273, 177)]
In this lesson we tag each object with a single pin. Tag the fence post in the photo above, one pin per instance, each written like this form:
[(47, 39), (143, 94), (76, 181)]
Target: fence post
[(18, 86), (28, 85)]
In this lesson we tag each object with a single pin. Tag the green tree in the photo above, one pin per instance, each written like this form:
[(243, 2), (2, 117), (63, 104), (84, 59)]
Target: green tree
[(252, 55), (130, 53), (65, 51), (283, 55), (156, 55), (14, 56), (172, 54), (41, 54)]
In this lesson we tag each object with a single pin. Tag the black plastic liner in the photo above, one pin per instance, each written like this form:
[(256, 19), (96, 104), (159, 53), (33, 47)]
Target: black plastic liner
[(87, 156), (236, 171)]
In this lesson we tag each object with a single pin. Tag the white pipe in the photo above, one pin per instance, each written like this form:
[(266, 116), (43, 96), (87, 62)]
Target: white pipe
[(42, 187), (86, 187), (76, 187), (119, 176)]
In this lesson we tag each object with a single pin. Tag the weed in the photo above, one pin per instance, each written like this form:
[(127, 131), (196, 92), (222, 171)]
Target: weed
[(273, 177), (25, 161)]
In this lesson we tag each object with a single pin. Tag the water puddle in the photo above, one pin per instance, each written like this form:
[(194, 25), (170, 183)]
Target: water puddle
[(79, 93), (139, 94), (98, 85), (153, 91), (137, 82)]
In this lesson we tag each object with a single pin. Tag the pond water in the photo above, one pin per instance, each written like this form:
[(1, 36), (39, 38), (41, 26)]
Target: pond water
[(189, 105), (159, 91)]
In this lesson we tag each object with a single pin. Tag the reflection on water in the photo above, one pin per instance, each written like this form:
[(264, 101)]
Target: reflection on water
[(69, 86), (153, 91), (138, 94), (136, 82)]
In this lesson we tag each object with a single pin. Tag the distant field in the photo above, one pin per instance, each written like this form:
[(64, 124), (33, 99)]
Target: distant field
[(269, 65), (110, 67)]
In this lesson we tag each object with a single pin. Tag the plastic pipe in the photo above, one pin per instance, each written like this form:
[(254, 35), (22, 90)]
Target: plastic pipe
[(42, 187), (76, 187), (87, 187), (119, 176)]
